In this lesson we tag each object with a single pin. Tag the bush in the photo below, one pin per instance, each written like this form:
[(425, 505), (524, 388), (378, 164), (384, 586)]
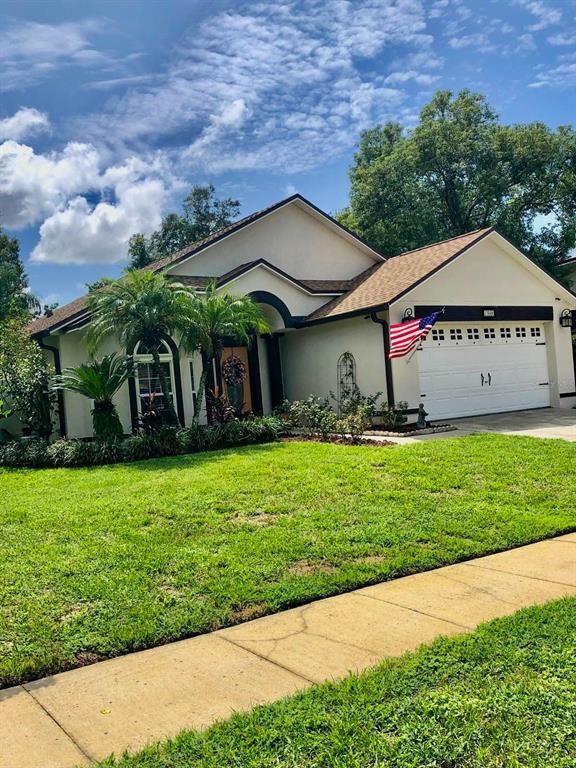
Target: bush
[(355, 424), (313, 415), (165, 442), (393, 416)]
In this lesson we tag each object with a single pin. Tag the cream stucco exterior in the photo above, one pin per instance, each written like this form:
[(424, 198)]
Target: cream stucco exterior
[(492, 273), (293, 238), (302, 357)]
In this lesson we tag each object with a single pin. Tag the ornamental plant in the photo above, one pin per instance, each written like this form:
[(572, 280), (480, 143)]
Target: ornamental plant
[(99, 380)]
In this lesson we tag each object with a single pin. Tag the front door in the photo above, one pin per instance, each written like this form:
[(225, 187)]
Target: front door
[(236, 378)]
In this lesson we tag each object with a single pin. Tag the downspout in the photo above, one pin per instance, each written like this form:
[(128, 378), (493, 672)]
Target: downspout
[(59, 393), (387, 361)]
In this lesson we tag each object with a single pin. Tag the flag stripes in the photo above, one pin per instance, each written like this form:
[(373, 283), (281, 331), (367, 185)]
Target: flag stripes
[(405, 336)]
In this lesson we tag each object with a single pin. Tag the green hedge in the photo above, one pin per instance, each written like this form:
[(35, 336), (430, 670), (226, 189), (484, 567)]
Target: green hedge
[(168, 442)]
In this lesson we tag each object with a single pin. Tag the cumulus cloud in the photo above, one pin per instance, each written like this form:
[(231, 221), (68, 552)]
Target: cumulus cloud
[(24, 122), (34, 185), (545, 15), (85, 234), (278, 86)]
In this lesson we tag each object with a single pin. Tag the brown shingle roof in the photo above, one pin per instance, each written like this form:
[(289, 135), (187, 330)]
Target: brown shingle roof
[(386, 282)]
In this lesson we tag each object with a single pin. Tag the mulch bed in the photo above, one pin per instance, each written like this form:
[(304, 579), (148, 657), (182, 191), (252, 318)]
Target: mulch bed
[(337, 440)]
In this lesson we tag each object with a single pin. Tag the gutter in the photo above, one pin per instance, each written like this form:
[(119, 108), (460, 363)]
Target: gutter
[(59, 393), (387, 362)]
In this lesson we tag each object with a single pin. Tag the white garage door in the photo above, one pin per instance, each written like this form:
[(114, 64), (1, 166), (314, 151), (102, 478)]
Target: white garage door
[(472, 369)]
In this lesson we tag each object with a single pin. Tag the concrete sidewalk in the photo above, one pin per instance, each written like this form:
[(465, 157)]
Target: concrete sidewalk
[(125, 703)]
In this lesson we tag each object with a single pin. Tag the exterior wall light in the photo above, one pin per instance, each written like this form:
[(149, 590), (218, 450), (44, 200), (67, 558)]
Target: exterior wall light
[(408, 315), (566, 319)]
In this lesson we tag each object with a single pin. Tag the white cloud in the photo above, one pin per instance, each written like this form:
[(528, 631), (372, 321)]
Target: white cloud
[(479, 40), (85, 234), (277, 86), (564, 75), (563, 39), (34, 185), (24, 122), (545, 14), (422, 78), (31, 52)]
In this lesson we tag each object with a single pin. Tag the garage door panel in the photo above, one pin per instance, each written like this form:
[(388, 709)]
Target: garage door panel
[(470, 370)]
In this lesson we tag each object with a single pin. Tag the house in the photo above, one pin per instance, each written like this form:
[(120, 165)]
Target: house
[(502, 343)]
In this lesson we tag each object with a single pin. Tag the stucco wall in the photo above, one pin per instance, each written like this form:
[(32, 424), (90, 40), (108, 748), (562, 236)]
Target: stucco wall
[(261, 279), (310, 357), (488, 275), (78, 418), (289, 238)]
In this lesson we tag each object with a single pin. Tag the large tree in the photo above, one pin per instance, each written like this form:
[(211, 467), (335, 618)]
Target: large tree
[(460, 169), (24, 378), (203, 214), (15, 298)]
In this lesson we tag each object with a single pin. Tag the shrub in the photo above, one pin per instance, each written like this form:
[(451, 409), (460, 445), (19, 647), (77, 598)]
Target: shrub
[(355, 424), (393, 416), (165, 442), (354, 400), (314, 415)]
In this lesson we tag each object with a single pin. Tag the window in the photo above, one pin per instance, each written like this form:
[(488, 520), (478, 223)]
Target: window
[(489, 333), (473, 334), (535, 333), (437, 334), (505, 333), (148, 387), (520, 333), (455, 334)]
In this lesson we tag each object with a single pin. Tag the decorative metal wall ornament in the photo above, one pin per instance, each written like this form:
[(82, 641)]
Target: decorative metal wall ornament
[(346, 376)]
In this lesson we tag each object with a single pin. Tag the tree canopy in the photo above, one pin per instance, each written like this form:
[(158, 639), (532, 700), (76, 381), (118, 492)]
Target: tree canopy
[(15, 298), (203, 214), (460, 169)]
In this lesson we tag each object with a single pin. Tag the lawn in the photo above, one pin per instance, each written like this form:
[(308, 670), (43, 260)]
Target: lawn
[(503, 697), (97, 562)]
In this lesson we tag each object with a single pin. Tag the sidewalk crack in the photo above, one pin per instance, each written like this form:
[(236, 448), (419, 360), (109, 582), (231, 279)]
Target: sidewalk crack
[(58, 725)]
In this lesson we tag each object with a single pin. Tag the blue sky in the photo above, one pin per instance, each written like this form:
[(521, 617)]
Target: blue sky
[(111, 110)]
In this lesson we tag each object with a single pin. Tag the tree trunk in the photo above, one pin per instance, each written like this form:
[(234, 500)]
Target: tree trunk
[(168, 404), (199, 396)]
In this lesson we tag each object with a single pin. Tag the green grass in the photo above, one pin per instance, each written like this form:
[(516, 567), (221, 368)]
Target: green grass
[(503, 697), (101, 561)]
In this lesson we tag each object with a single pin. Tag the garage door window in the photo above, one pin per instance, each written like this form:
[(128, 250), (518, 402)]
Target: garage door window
[(437, 334), (473, 334), (505, 333), (535, 332), (520, 333), (455, 334), (489, 333)]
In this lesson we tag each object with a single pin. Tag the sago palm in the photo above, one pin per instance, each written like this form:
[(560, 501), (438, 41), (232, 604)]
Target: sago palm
[(214, 317), (99, 380), (141, 307)]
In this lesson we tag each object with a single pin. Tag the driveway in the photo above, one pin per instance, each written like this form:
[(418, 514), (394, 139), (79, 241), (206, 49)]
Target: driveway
[(559, 423)]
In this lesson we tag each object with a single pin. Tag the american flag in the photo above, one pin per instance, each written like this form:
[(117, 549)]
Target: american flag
[(405, 336)]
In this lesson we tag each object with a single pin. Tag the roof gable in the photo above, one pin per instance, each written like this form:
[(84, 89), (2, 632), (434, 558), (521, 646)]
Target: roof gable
[(194, 248), (391, 280)]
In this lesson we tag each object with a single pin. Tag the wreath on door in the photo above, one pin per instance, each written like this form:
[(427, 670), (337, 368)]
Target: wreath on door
[(233, 371)]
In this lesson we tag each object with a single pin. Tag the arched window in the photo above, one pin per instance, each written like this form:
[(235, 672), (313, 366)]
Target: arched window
[(346, 376), (148, 389)]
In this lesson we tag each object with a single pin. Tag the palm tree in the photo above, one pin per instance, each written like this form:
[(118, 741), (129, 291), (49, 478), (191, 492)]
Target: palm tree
[(213, 317), (99, 380), (141, 307)]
